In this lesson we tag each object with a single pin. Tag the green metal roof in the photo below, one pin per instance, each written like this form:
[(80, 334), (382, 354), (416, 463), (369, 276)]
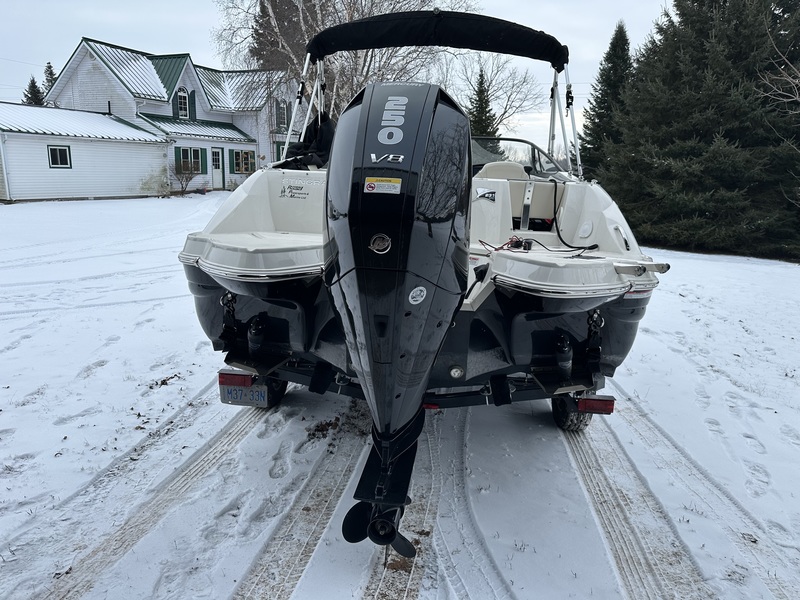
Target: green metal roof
[(155, 77), (237, 90), (133, 68), (169, 69), (45, 120), (200, 129)]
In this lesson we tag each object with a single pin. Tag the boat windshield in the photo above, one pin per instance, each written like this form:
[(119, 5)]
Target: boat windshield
[(529, 155)]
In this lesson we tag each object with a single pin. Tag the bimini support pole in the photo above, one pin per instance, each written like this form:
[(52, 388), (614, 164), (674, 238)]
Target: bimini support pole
[(321, 81), (300, 91), (563, 126), (551, 137), (571, 111), (309, 111)]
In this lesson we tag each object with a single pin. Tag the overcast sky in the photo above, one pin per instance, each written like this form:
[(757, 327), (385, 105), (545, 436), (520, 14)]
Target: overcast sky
[(33, 32)]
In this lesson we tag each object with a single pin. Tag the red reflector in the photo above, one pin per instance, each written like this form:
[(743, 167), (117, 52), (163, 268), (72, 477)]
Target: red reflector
[(429, 406), (601, 405), (237, 379)]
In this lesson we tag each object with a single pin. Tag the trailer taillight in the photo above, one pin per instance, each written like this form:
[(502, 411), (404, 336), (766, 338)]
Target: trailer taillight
[(600, 405), (236, 379)]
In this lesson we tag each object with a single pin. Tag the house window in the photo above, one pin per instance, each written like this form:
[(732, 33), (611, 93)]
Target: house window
[(281, 115), (183, 103), (244, 161), (190, 160), (279, 150), (59, 157)]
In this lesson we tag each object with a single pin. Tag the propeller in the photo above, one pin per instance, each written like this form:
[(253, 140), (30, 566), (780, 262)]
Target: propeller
[(363, 521), (356, 522)]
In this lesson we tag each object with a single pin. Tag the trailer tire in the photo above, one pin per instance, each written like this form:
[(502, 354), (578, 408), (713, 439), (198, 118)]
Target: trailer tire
[(567, 418), (276, 389)]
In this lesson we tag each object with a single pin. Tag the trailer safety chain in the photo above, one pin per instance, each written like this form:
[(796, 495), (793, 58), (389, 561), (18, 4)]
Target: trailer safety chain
[(595, 322), (228, 302), (594, 341)]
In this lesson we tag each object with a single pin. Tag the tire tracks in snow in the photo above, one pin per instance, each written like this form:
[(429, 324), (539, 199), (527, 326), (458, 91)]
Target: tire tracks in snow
[(281, 563), (715, 502), (82, 574), (32, 548), (651, 561), (400, 578), (465, 563)]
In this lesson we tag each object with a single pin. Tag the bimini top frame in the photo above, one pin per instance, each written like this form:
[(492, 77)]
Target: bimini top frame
[(441, 28)]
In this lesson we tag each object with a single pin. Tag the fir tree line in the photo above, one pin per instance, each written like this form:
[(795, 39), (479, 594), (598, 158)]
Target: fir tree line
[(35, 94), (686, 137)]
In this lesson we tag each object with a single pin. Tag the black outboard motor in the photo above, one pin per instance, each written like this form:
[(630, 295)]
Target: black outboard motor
[(396, 262)]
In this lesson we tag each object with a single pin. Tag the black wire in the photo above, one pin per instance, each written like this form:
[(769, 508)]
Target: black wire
[(555, 222)]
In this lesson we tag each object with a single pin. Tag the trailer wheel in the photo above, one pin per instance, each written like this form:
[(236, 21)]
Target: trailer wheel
[(567, 417), (276, 389)]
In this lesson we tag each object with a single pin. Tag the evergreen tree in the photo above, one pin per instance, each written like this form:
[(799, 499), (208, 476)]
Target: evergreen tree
[(49, 77), (615, 71), (705, 161), (482, 120), (33, 93)]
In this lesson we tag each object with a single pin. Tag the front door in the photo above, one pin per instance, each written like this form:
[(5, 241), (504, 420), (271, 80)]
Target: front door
[(217, 181)]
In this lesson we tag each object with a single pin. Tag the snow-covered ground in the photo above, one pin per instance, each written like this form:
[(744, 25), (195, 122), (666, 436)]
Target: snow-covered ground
[(122, 476)]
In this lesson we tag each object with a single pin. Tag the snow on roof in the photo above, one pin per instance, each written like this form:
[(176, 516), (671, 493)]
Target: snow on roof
[(236, 90), (133, 68), (154, 77), (206, 129), (23, 118)]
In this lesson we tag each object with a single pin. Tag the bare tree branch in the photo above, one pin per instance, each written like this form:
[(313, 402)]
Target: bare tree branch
[(289, 24), (783, 87), (511, 91)]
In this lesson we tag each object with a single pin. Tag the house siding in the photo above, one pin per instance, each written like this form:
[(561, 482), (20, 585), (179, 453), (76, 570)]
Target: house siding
[(3, 191), (100, 168), (92, 87), (251, 123), (232, 180)]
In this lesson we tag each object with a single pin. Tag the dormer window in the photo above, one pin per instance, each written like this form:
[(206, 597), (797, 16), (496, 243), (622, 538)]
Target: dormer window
[(183, 103)]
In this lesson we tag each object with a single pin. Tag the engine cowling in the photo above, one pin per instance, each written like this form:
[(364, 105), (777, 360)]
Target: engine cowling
[(397, 237)]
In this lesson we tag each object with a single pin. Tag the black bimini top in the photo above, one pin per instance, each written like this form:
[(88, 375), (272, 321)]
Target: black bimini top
[(439, 28)]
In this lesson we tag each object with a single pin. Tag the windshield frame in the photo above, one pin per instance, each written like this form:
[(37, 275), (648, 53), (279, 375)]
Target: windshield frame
[(538, 163)]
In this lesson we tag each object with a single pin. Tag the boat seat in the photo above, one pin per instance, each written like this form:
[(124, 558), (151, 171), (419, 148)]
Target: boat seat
[(504, 169), (534, 199), (531, 197)]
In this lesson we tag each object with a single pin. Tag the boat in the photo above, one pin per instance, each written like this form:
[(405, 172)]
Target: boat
[(417, 267)]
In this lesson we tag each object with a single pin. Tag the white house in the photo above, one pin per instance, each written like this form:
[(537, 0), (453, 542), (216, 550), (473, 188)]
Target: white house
[(50, 153), (221, 125)]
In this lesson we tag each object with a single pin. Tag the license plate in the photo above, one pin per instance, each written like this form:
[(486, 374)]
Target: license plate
[(254, 395), (242, 389)]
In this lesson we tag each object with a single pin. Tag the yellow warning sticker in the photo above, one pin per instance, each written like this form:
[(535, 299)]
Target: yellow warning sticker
[(382, 185)]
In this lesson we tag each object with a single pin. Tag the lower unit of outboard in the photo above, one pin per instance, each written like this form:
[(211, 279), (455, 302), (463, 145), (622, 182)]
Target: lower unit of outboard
[(396, 261)]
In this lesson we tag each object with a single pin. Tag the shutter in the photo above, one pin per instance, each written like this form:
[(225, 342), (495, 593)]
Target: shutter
[(192, 108), (203, 160), (178, 159), (231, 164), (175, 105)]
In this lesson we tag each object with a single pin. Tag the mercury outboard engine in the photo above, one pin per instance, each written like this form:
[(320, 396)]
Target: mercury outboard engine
[(396, 263)]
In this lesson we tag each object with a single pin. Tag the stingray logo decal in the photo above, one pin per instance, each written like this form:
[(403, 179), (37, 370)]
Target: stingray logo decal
[(393, 117)]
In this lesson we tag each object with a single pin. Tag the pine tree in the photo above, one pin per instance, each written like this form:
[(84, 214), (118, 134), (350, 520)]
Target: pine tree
[(482, 120), (615, 71), (704, 162), (33, 93), (270, 48), (49, 78)]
